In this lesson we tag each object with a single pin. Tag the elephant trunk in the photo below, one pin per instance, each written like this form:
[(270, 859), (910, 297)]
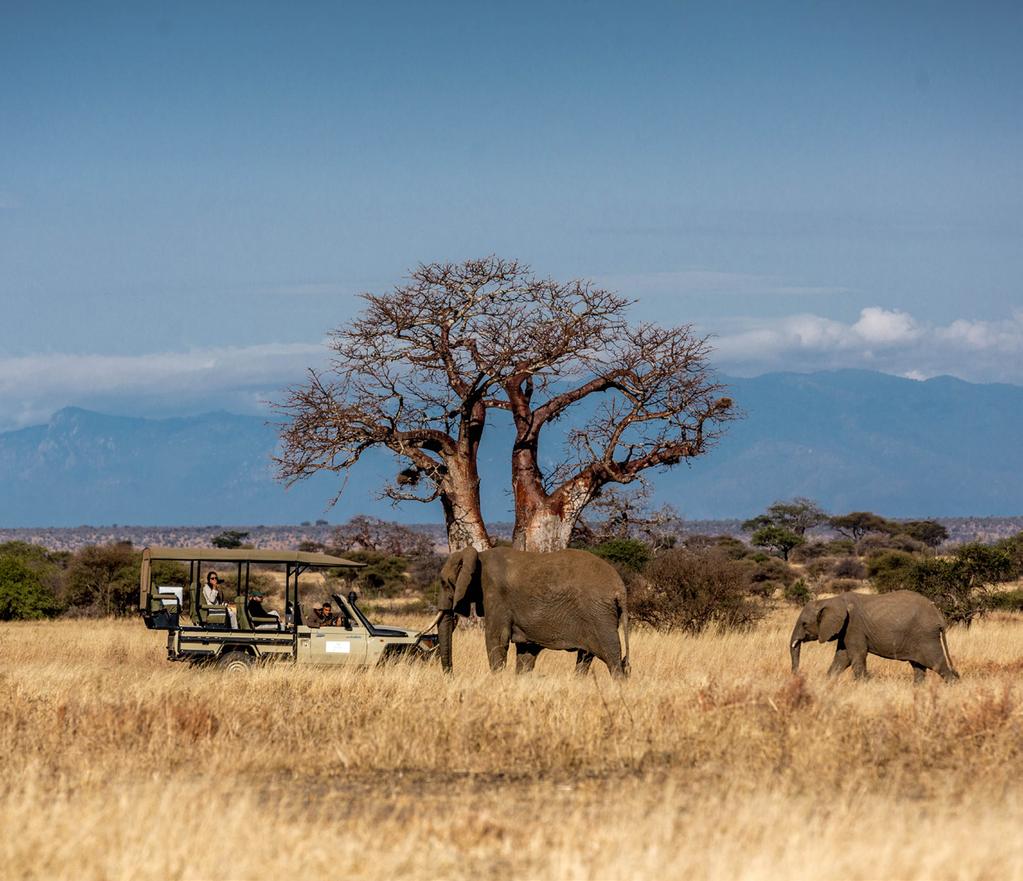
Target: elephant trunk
[(444, 631)]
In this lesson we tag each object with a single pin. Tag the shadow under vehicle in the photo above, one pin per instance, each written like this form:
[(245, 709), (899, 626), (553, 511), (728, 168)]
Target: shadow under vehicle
[(213, 635)]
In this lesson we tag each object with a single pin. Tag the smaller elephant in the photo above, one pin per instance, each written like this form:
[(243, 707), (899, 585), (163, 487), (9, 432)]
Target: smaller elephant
[(902, 625)]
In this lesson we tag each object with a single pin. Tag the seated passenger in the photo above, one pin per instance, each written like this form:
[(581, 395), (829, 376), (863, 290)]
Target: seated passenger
[(214, 599), (258, 611)]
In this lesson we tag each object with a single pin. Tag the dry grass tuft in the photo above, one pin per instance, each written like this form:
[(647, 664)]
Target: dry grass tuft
[(712, 760)]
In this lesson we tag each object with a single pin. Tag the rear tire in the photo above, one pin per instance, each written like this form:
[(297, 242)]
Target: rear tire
[(236, 662)]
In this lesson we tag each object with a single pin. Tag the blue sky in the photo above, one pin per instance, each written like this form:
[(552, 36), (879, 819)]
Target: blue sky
[(191, 195)]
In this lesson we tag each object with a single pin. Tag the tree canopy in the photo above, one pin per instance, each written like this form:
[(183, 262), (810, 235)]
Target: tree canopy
[(420, 369)]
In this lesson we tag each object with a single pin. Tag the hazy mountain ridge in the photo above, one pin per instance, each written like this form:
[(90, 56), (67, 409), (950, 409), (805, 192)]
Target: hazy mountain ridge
[(851, 439)]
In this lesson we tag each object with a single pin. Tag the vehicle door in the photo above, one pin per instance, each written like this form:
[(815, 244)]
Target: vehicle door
[(333, 645)]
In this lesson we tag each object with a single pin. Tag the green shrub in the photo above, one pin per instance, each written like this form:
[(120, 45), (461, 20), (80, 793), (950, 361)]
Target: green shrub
[(798, 592), (820, 569), (629, 553), (384, 575), (772, 569), (876, 543), (892, 570), (1013, 547), (24, 593), (849, 567), (765, 589), (956, 585), (731, 547), (1006, 601), (689, 591), (104, 580), (812, 550)]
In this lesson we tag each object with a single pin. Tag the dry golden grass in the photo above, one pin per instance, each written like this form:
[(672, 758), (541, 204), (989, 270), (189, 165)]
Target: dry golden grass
[(711, 761)]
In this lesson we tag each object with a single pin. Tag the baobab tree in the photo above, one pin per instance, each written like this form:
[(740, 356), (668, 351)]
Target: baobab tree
[(656, 405), (419, 370)]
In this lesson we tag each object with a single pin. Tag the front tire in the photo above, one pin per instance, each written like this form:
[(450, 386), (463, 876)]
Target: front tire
[(236, 662)]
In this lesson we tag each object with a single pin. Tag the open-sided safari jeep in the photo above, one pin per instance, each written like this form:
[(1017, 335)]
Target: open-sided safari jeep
[(230, 636)]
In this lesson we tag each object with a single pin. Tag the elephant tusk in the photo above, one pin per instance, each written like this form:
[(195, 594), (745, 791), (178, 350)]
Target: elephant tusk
[(431, 625), (795, 642)]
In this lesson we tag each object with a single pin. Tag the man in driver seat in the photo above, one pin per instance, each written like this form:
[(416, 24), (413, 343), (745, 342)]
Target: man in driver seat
[(323, 617)]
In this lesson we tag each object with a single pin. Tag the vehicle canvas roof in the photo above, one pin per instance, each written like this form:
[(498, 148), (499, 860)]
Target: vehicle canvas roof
[(243, 555)]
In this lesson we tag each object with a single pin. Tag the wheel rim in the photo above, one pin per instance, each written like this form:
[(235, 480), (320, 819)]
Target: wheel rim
[(237, 666)]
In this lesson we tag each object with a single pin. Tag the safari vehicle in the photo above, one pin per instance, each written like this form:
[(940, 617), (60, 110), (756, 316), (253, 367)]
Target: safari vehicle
[(213, 635)]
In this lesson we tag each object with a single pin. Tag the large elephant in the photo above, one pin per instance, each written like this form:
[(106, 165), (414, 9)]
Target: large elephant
[(569, 600), (902, 625)]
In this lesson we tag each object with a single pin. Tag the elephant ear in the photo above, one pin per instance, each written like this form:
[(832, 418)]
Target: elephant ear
[(830, 621), (466, 574)]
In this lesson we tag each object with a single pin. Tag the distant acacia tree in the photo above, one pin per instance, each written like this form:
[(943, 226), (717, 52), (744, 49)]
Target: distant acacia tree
[(857, 524), (797, 516), (777, 538), (783, 525), (930, 532), (418, 371)]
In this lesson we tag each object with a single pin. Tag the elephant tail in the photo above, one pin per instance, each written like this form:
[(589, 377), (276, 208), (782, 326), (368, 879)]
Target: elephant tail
[(623, 622), (944, 649)]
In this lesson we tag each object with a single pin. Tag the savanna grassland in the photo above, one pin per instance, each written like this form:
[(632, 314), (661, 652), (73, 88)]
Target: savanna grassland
[(710, 762)]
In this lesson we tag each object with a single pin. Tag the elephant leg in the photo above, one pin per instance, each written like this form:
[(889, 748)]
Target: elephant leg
[(856, 646), (859, 665), (840, 663), (582, 662), (525, 656), (498, 635), (919, 672)]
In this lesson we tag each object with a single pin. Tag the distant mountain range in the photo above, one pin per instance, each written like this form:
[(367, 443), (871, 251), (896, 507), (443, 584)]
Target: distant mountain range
[(850, 439)]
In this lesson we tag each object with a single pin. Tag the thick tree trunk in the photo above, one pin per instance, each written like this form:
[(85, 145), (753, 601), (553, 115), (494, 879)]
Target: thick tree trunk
[(460, 496), (544, 531), (545, 522)]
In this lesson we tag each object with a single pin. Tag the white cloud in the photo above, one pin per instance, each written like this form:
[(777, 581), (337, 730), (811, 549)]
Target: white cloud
[(877, 325), (33, 387), (241, 378), (880, 339)]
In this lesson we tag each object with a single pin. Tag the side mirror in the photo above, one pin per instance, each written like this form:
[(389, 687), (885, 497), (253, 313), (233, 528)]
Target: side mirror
[(352, 596)]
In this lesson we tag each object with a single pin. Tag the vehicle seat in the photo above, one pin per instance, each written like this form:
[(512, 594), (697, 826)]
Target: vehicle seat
[(214, 616), (268, 622), (244, 623)]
